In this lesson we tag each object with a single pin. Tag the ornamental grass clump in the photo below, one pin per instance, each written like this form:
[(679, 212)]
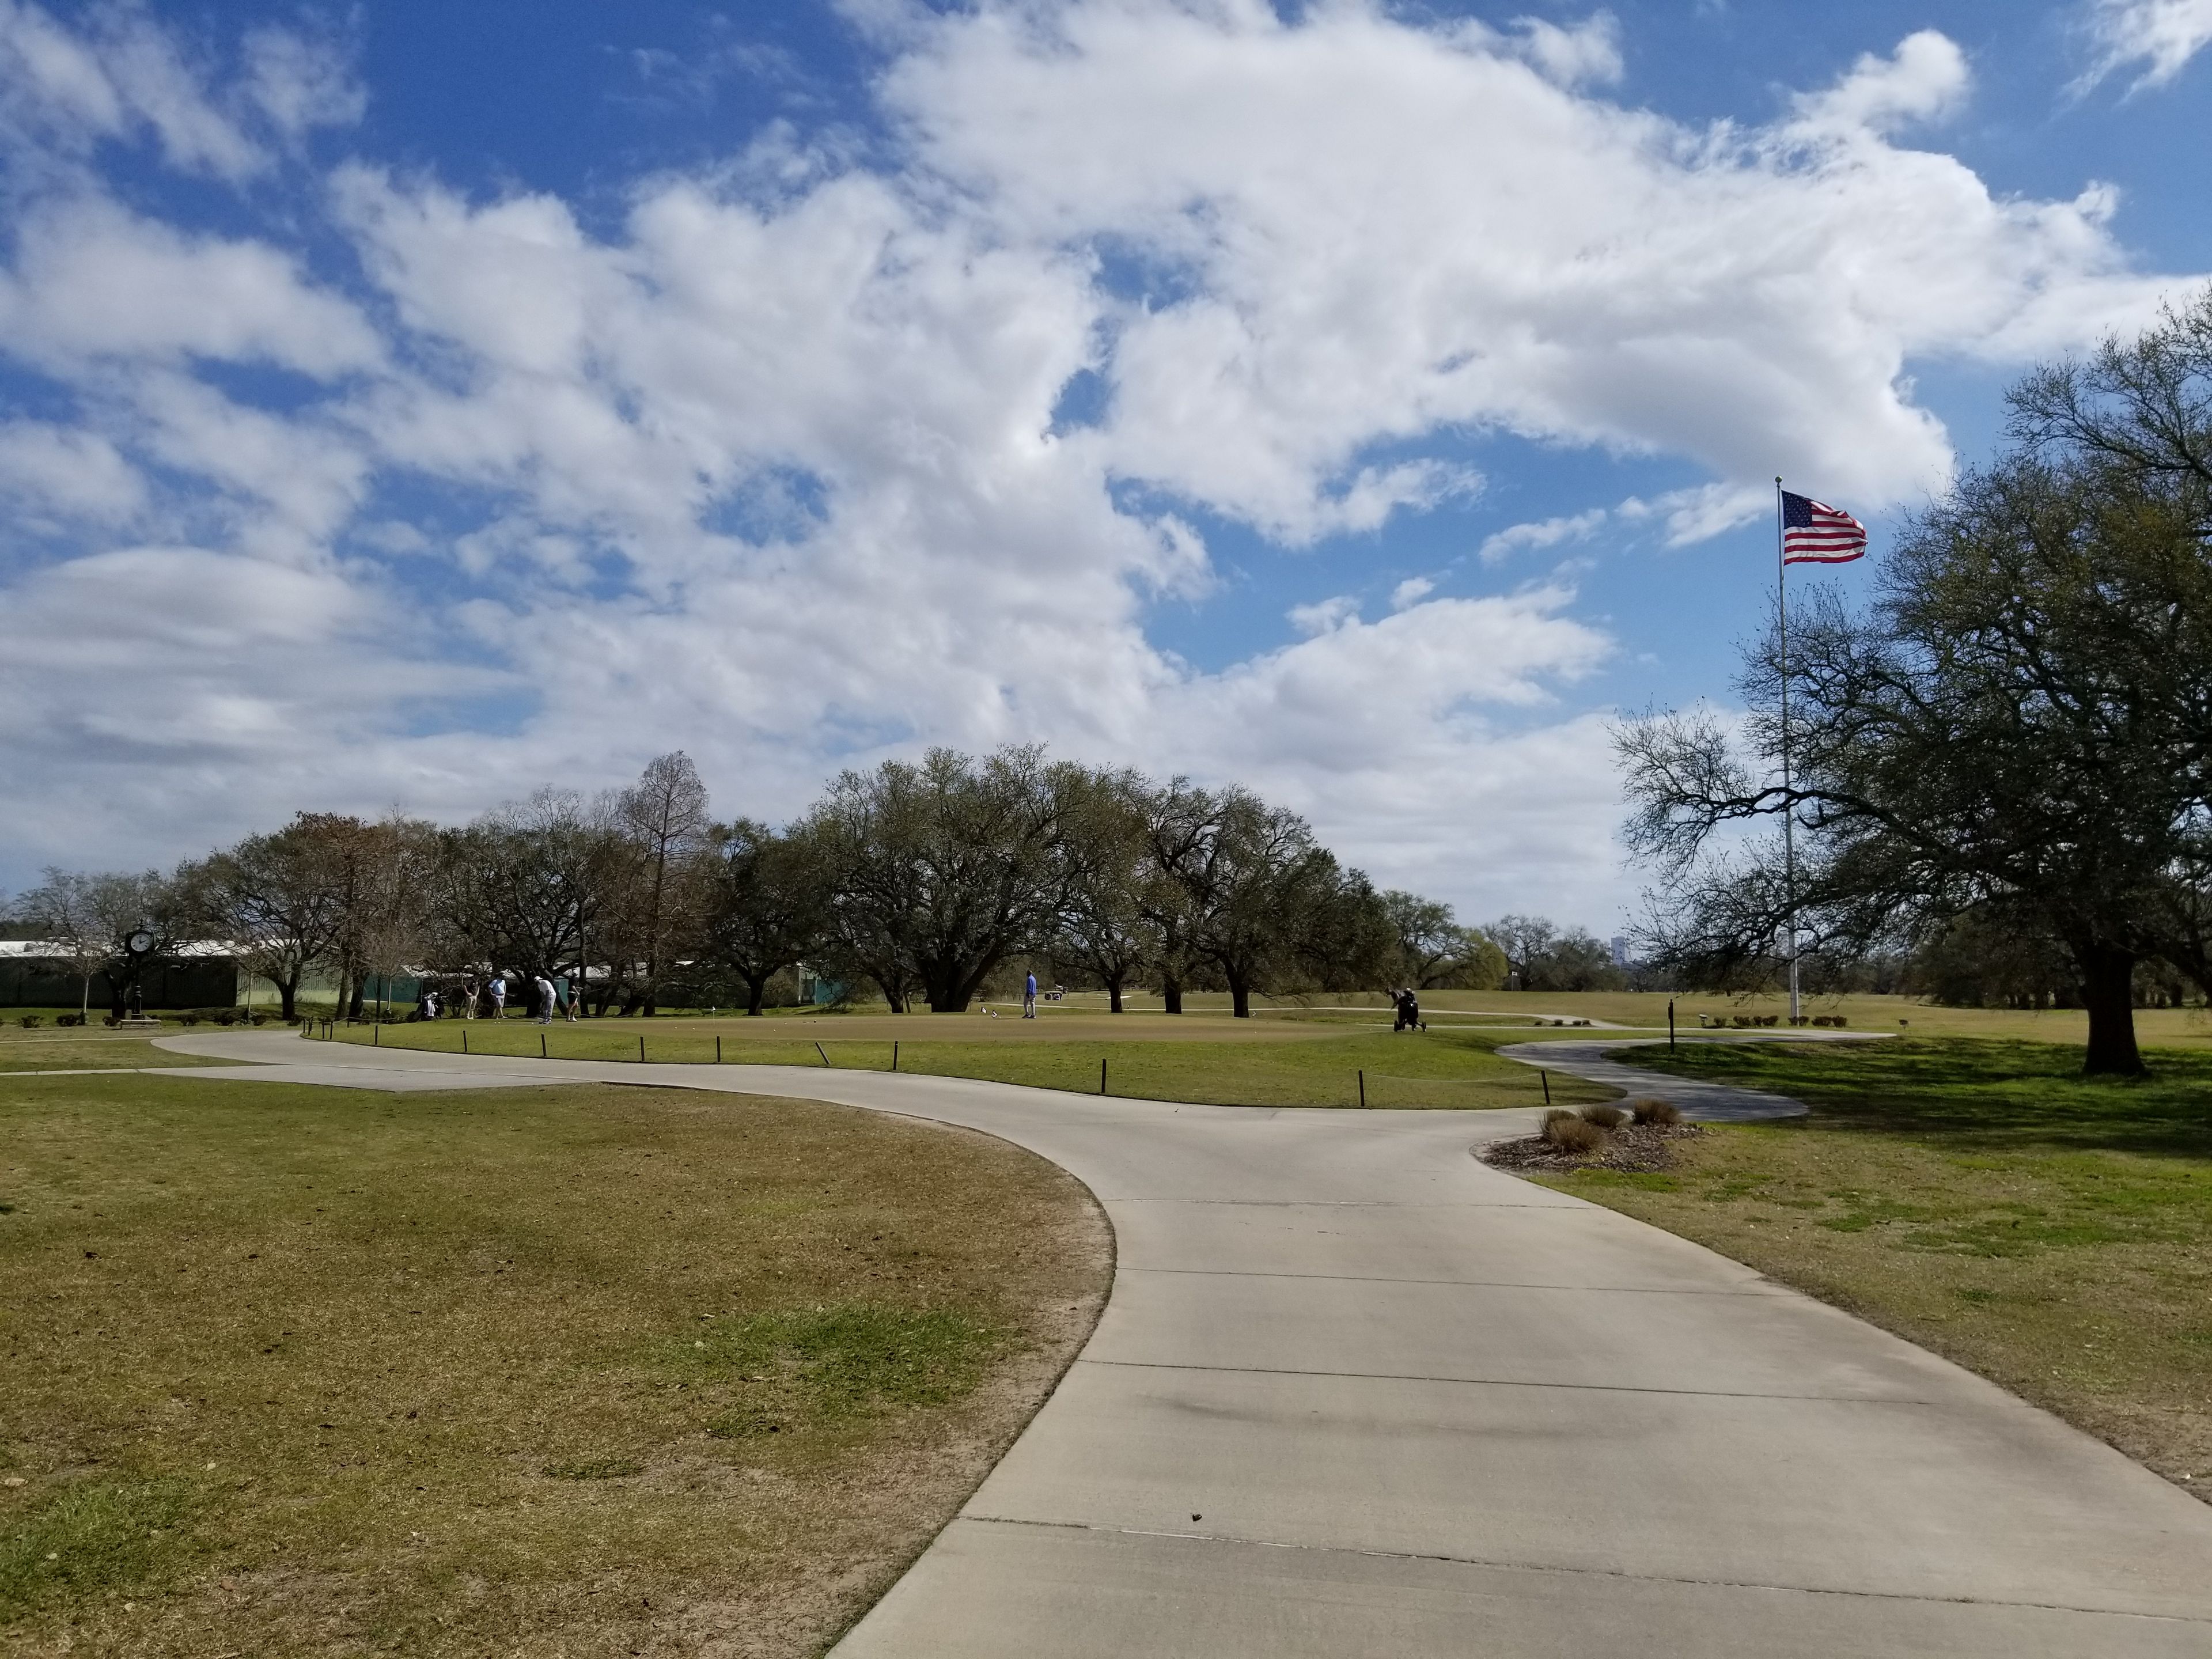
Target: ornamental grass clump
[(1663, 1113), (1606, 1116), (1569, 1132)]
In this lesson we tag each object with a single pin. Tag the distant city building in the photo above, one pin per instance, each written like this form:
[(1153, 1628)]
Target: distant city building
[(1619, 951)]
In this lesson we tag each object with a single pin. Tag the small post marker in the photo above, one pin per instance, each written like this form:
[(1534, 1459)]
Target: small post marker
[(376, 1036), (464, 1039), (641, 1048), (895, 1053), (541, 1045), (1546, 1079), (1670, 1022), (1363, 1089), (718, 1049), (825, 1058), (1101, 1075)]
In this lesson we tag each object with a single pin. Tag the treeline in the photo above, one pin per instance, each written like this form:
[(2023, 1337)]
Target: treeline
[(923, 879)]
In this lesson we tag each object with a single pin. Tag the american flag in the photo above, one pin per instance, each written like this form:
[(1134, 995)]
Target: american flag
[(1813, 532)]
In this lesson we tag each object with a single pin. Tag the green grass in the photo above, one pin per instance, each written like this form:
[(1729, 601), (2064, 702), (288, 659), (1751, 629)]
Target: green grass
[(1211, 1063), (1984, 1200), (578, 1369)]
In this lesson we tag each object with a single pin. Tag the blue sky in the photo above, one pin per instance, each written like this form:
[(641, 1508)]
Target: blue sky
[(413, 405)]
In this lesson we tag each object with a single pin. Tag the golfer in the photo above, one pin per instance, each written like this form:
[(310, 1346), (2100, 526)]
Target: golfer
[(575, 995), (499, 996), (544, 987), (1029, 996)]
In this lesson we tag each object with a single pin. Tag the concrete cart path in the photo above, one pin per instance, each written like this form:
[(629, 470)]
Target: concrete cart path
[(1707, 1102), (1357, 1393)]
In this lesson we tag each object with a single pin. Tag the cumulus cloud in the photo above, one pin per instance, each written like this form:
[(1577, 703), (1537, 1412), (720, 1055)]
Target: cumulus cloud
[(1540, 533), (108, 72), (773, 465), (2160, 36), (68, 473)]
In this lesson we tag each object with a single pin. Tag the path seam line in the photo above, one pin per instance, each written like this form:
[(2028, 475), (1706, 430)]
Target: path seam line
[(1578, 1573), (1512, 1383)]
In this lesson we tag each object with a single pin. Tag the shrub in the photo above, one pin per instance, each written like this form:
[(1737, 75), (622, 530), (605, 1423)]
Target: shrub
[(1650, 1110), (1568, 1132), (1606, 1117), (69, 1019), (31, 1022), (190, 1016)]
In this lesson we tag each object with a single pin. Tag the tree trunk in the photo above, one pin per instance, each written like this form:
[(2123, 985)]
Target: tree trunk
[(288, 998), (755, 993), (1114, 995), (1171, 994), (1240, 998), (2108, 992)]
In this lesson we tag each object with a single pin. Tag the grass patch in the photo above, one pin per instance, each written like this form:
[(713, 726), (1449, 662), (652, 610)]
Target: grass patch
[(825, 1367), (295, 1369), (1983, 1199), (1210, 1061), (91, 1538), (49, 1048)]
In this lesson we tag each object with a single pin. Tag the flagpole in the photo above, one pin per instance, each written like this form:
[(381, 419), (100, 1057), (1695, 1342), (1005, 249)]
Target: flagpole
[(1789, 805)]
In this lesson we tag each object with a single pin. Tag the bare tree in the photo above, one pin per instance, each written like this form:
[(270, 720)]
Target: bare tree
[(666, 812), (1523, 940), (64, 909)]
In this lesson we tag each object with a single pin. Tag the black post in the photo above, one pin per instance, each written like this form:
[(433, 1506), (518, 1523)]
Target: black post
[(718, 1049), (541, 1045), (1670, 1022), (464, 1039), (894, 1053), (825, 1058), (641, 1048), (1363, 1089), (1546, 1079), (376, 1036), (1101, 1075)]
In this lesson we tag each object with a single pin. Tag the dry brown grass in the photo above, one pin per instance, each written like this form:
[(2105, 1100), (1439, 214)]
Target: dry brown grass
[(1647, 1109), (1605, 1116), (581, 1370)]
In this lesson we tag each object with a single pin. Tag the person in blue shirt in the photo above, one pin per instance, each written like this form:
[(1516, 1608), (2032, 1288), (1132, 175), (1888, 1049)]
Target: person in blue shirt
[(1028, 997)]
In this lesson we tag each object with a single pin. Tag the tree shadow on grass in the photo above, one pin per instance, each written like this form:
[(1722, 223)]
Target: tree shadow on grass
[(1971, 1093)]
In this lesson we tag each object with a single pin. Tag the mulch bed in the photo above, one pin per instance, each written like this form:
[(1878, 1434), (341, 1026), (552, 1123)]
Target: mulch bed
[(1631, 1147)]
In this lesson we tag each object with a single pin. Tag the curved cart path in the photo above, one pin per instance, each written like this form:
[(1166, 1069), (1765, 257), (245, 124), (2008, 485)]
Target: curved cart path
[(1706, 1102), (1357, 1393)]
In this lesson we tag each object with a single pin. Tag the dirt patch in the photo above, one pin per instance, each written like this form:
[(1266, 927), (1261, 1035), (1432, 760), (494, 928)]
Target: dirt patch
[(1633, 1148)]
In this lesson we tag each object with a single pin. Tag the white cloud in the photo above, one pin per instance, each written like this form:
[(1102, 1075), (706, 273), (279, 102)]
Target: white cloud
[(74, 474), (1542, 533), (112, 72), (1925, 79), (1379, 230), (1701, 511), (1411, 591), (1323, 616), (91, 280), (2161, 35)]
